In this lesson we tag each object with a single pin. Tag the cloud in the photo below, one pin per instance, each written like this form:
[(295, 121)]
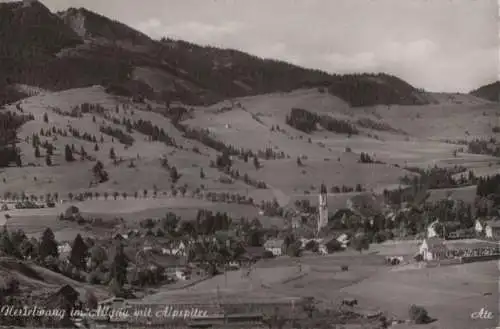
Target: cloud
[(278, 50), (360, 62), (410, 52), (194, 31)]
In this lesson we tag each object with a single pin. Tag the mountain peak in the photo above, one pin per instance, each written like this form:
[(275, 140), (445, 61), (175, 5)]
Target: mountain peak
[(89, 24)]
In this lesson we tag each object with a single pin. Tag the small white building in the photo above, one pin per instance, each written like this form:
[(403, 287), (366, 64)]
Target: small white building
[(64, 248), (176, 249), (433, 249), (492, 229), (275, 246)]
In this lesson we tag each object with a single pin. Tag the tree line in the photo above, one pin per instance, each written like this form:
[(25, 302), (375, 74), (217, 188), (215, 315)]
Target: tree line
[(9, 124), (307, 122)]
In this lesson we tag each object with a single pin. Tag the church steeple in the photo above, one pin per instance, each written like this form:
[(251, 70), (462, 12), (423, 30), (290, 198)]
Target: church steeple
[(323, 189), (323, 207)]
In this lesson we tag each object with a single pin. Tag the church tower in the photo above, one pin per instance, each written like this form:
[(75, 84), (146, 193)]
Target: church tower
[(323, 208)]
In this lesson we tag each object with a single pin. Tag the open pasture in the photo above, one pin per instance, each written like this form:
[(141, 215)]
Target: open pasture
[(449, 293), (34, 221), (291, 179), (233, 286)]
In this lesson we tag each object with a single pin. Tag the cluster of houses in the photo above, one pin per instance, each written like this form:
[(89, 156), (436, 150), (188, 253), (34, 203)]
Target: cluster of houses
[(434, 248), (489, 229), (276, 246)]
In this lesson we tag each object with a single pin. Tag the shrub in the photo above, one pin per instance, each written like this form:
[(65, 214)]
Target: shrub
[(418, 314), (333, 246), (267, 254)]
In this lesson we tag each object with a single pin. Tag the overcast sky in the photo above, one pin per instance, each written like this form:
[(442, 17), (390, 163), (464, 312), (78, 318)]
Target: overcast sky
[(439, 45)]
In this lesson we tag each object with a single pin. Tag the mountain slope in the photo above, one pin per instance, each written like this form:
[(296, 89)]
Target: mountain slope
[(29, 31), (490, 92), (79, 48)]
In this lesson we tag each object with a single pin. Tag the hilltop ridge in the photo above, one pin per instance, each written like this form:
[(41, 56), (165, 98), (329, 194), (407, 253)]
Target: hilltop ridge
[(490, 92)]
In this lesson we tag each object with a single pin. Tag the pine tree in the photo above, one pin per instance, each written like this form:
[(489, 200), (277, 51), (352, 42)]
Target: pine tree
[(48, 160), (83, 153), (174, 175), (45, 118), (68, 153), (50, 149), (98, 256), (96, 147), (256, 163), (79, 253), (6, 244), (19, 161), (37, 152), (119, 264), (112, 154), (202, 174), (48, 245)]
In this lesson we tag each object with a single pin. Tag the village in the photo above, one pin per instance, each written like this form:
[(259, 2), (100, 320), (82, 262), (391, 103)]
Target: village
[(168, 253)]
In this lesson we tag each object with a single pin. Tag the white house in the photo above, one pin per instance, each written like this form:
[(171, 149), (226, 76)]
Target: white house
[(343, 239), (177, 271), (433, 249), (176, 249), (492, 229), (431, 229), (274, 246), (323, 250), (479, 226)]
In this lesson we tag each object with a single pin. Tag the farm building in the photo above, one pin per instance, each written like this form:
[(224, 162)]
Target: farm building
[(274, 246), (433, 249)]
